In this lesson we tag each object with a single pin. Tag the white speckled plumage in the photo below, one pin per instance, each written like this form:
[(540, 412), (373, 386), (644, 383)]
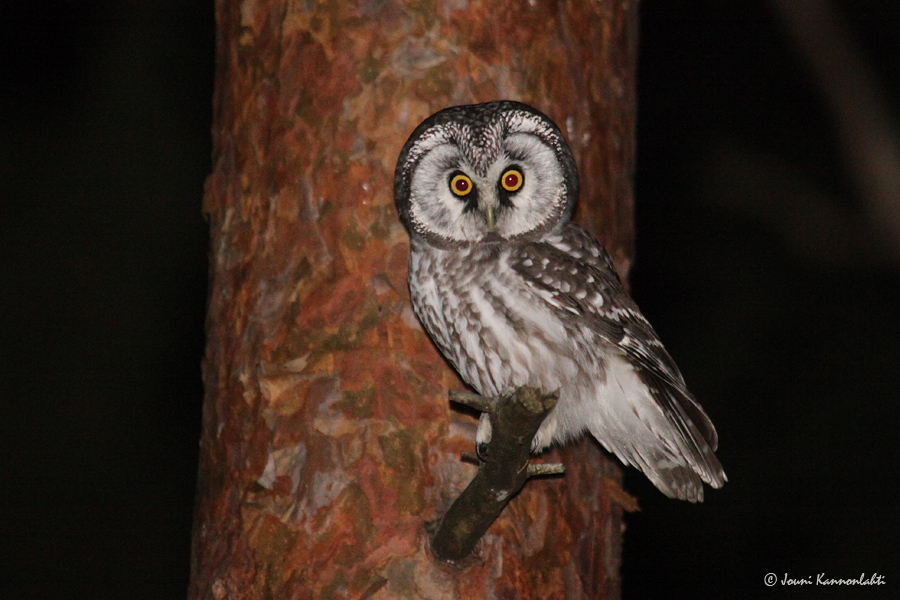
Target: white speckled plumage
[(535, 300)]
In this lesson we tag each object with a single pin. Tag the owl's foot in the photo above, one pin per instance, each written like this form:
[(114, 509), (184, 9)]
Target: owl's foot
[(481, 451), (486, 405), (483, 436)]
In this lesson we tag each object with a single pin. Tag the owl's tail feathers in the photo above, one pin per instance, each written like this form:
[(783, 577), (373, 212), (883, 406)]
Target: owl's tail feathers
[(655, 425), (685, 481), (678, 482), (686, 454), (673, 474)]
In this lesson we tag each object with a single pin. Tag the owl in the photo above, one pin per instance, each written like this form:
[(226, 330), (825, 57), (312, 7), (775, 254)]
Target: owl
[(514, 293)]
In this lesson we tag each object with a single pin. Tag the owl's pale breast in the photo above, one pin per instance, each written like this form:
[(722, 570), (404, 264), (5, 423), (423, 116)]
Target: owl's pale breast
[(492, 326)]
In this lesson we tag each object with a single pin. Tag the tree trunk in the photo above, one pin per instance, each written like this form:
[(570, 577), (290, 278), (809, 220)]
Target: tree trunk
[(328, 442)]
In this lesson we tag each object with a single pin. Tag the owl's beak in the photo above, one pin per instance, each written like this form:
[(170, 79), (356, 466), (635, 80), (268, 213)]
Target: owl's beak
[(489, 218)]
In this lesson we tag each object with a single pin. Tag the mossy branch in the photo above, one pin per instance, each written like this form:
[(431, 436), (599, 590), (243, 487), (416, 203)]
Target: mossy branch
[(515, 419)]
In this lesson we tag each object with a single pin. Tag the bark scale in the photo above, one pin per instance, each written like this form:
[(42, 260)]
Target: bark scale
[(328, 442)]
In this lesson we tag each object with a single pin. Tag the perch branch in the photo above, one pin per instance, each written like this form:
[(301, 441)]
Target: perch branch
[(479, 403), (515, 419)]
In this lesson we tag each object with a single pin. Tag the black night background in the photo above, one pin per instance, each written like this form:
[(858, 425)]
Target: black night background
[(763, 260)]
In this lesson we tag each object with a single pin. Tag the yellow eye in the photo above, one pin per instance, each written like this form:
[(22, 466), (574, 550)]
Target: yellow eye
[(461, 185), (512, 180)]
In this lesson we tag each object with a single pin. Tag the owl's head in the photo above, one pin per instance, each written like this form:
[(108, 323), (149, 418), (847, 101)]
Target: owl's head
[(483, 171)]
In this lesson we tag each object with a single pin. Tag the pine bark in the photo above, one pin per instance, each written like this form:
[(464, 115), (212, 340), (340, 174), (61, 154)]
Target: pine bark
[(328, 443)]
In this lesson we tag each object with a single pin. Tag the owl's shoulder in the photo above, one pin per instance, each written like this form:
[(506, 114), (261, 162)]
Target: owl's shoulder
[(580, 244), (571, 262)]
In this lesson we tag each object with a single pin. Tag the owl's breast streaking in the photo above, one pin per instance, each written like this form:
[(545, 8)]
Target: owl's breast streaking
[(499, 334)]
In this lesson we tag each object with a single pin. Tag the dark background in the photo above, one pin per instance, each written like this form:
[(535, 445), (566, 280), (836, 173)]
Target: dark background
[(757, 261)]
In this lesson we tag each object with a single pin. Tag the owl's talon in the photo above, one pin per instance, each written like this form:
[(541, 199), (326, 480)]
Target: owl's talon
[(481, 451)]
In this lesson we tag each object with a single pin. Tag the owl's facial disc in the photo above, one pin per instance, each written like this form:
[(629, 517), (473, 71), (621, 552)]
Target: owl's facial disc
[(520, 188)]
